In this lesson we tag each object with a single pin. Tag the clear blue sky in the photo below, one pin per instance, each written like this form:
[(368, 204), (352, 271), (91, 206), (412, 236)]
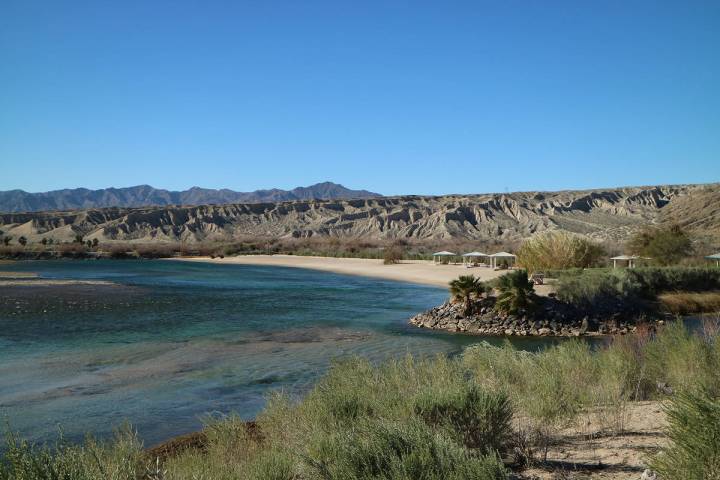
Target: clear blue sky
[(395, 97)]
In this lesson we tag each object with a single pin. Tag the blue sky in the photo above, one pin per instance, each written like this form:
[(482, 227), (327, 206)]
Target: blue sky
[(395, 97)]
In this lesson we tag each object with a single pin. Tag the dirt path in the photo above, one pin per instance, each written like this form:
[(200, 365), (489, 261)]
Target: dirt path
[(587, 451)]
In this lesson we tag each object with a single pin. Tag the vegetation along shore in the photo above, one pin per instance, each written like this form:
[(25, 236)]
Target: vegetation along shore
[(491, 413)]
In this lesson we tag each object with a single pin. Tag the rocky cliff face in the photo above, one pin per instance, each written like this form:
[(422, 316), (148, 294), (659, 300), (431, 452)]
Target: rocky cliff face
[(601, 214)]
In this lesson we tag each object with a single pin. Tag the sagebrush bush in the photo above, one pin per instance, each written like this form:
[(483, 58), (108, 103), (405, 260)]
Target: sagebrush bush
[(381, 449), (480, 419)]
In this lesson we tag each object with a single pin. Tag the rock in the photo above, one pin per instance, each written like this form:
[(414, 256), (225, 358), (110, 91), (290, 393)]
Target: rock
[(509, 331), (648, 475), (664, 388), (585, 325), (544, 331)]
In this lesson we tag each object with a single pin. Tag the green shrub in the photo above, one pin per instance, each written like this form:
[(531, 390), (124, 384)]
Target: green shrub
[(480, 419), (694, 433), (598, 288), (591, 289), (545, 385), (624, 371), (684, 360), (691, 279), (558, 250), (393, 450)]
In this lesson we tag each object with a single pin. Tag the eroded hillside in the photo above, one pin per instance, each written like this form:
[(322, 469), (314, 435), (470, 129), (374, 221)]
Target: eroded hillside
[(602, 214)]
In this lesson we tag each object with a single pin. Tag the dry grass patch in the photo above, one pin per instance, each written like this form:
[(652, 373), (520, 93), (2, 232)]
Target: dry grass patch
[(683, 303)]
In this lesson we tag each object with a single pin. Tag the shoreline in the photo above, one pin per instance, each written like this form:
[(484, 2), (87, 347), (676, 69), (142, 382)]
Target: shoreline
[(422, 272)]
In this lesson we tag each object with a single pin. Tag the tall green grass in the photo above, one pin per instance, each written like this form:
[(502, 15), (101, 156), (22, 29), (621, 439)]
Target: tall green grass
[(118, 459)]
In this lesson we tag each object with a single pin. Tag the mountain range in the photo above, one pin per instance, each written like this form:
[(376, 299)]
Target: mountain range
[(146, 196), (604, 214)]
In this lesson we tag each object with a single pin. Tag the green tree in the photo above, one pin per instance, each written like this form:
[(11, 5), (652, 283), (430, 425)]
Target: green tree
[(78, 239), (6, 240), (665, 246), (466, 288), (95, 242), (22, 241), (44, 241), (516, 292)]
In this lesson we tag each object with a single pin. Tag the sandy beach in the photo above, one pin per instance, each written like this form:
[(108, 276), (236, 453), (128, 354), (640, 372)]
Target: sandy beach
[(413, 271)]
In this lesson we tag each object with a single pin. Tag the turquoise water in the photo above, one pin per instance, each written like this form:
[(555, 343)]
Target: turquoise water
[(172, 341)]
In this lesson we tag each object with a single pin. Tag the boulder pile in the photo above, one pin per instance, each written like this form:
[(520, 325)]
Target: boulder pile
[(550, 318)]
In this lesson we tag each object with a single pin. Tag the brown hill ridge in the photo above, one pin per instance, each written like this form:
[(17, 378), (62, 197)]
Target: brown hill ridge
[(601, 214)]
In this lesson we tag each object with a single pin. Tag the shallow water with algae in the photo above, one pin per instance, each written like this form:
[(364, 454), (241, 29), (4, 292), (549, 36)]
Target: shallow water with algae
[(160, 344)]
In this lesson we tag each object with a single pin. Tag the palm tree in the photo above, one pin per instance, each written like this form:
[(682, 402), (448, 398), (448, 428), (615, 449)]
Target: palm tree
[(464, 288), (515, 292)]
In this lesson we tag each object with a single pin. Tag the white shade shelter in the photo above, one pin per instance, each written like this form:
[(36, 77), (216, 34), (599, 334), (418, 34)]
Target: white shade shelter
[(625, 260), (474, 258), (715, 257), (443, 257), (497, 259)]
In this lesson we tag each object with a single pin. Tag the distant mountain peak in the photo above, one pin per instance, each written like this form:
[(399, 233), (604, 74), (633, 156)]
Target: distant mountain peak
[(146, 195)]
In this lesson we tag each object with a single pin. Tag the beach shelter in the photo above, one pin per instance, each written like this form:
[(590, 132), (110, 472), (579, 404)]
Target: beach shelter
[(628, 261), (715, 257), (500, 257), (474, 258), (443, 257)]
